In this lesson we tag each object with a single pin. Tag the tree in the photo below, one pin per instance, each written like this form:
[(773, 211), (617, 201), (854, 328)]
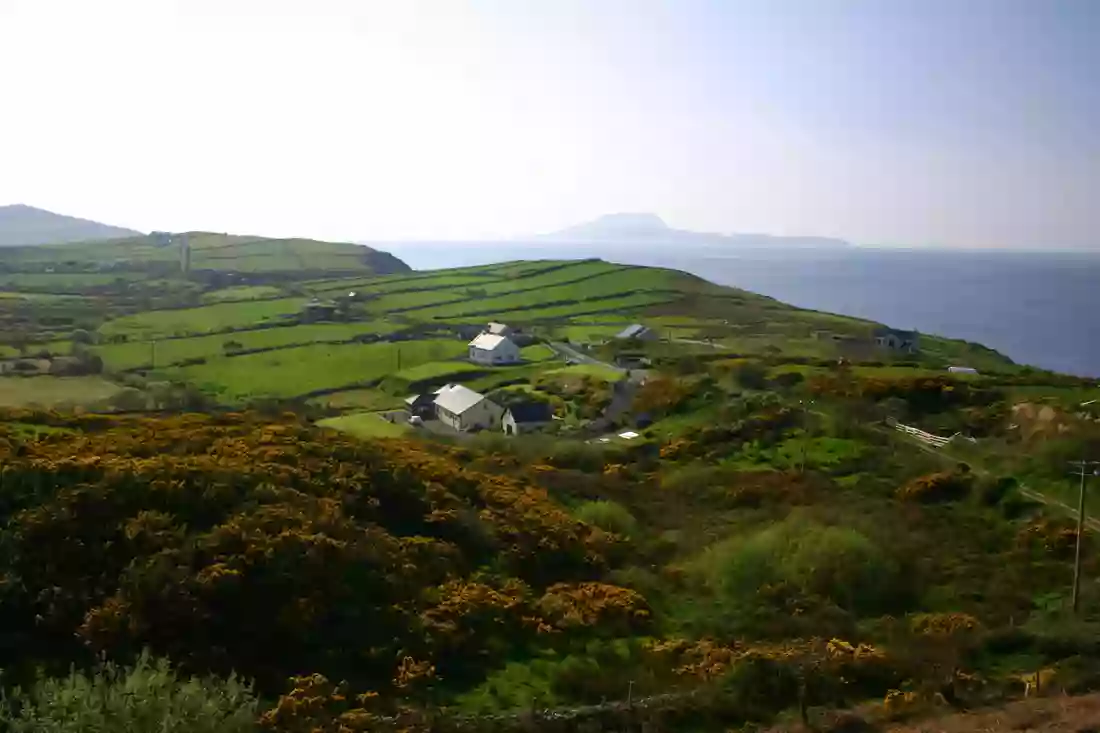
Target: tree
[(129, 399), (81, 336)]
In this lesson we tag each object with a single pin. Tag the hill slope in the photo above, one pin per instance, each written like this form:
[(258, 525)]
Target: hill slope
[(25, 225), (209, 252), (637, 229)]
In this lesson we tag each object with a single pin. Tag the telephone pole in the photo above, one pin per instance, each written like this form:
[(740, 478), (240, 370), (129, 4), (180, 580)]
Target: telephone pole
[(1083, 472)]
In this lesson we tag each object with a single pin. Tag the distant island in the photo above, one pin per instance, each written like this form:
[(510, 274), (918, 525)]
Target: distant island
[(646, 228), (27, 225)]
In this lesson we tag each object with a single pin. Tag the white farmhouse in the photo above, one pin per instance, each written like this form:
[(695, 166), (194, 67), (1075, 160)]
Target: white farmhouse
[(464, 409), (491, 349)]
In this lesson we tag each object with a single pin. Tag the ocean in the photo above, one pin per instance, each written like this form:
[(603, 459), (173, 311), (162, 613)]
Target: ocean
[(1038, 309)]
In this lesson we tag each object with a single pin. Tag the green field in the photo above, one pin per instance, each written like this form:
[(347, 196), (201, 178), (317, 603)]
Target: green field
[(360, 399), (185, 321), (298, 371), (595, 371), (537, 352), (366, 425), (242, 292), (135, 354), (434, 369), (54, 392)]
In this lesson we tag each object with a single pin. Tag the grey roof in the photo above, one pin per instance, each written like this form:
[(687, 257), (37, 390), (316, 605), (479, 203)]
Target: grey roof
[(457, 399), (631, 332)]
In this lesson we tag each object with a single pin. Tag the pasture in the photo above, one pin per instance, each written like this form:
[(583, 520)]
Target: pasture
[(55, 392), (303, 370)]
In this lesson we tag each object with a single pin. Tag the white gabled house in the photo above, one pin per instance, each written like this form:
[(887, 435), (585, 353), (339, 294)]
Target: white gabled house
[(463, 409), (490, 349)]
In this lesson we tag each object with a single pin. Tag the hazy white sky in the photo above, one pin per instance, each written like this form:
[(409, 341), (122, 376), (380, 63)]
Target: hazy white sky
[(919, 122)]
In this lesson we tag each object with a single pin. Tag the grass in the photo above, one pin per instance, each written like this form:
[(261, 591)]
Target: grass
[(360, 399), (135, 354), (435, 369), (54, 392), (204, 319), (588, 370), (241, 293), (537, 352), (366, 425), (298, 371)]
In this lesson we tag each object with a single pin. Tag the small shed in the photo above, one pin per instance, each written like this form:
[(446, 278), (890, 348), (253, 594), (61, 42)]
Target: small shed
[(525, 417), (962, 370), (499, 329), (421, 405)]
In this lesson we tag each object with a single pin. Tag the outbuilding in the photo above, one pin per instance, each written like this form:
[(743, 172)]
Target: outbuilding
[(526, 417)]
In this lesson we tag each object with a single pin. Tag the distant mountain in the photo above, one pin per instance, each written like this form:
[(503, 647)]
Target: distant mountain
[(651, 229), (21, 225)]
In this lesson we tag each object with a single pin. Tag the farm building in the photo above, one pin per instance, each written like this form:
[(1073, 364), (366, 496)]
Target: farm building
[(463, 409), (526, 417), (491, 349), (499, 329), (317, 310), (421, 405), (962, 370), (637, 331), (892, 338)]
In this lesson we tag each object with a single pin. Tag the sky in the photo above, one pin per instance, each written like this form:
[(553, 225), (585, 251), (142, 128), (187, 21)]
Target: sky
[(957, 123)]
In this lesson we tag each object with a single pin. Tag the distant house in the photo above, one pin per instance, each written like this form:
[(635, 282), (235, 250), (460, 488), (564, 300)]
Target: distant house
[(962, 370), (892, 338), (464, 409), (492, 350), (639, 332), (499, 329), (526, 417), (317, 310)]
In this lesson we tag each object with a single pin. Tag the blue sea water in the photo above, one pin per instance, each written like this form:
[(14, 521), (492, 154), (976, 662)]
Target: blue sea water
[(1038, 308)]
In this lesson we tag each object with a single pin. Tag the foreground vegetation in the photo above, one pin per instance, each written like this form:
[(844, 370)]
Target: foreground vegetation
[(206, 525)]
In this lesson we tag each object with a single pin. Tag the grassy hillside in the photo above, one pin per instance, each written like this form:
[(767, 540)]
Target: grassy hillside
[(206, 330), (209, 252)]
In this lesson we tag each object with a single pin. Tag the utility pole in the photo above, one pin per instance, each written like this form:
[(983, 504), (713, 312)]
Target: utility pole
[(1083, 472)]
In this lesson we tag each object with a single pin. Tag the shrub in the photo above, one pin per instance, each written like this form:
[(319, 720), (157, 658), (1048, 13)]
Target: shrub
[(938, 487), (835, 563), (609, 516), (148, 697)]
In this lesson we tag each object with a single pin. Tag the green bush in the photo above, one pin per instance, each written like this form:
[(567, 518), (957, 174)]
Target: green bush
[(609, 516), (148, 697), (834, 563)]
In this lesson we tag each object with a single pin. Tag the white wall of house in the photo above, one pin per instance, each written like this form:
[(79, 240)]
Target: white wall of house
[(485, 414), (506, 352)]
